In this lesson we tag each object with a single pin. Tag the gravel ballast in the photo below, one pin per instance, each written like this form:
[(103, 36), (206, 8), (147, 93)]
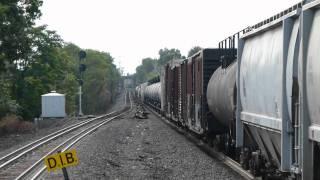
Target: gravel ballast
[(11, 142), (130, 148)]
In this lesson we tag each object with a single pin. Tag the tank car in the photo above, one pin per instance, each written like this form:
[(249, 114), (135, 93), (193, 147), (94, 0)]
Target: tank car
[(153, 95), (137, 92), (222, 94), (140, 91), (222, 100)]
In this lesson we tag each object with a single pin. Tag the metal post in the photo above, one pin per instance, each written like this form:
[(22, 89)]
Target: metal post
[(286, 125), (65, 174), (36, 121), (239, 125), (80, 101), (307, 145), (82, 68), (64, 170)]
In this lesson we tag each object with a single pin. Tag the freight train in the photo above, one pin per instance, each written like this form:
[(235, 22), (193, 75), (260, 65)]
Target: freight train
[(256, 97)]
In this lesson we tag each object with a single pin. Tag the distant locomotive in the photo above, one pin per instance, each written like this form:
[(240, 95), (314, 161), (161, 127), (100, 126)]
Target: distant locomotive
[(257, 99)]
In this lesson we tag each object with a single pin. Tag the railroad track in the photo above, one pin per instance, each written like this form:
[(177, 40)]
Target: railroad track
[(206, 148), (31, 156)]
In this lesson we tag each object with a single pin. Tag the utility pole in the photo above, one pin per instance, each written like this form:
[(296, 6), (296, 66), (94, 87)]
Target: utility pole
[(82, 68)]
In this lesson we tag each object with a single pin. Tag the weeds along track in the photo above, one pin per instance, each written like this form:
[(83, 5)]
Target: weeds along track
[(27, 161)]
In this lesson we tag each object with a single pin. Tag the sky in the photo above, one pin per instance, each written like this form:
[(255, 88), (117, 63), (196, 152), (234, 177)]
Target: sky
[(132, 30)]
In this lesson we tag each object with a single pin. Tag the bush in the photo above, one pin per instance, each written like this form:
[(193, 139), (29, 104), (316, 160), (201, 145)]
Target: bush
[(8, 107), (13, 124), (26, 127)]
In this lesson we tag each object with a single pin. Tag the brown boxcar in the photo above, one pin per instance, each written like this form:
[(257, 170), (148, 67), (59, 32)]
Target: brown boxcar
[(200, 67), (173, 90), (190, 93), (167, 99), (186, 87), (176, 92), (183, 97)]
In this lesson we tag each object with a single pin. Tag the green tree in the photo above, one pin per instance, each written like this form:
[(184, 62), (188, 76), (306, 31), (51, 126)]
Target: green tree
[(147, 70), (167, 55), (16, 45), (151, 68), (100, 82), (194, 50), (149, 64), (34, 61), (50, 69), (16, 24), (7, 105)]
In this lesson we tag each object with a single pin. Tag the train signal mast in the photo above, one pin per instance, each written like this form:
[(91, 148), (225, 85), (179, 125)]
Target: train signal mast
[(82, 68)]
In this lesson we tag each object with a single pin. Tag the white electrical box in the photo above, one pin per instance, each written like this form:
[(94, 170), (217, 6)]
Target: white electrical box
[(53, 105)]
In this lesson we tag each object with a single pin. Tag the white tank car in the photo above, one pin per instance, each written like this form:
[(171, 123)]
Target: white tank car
[(153, 94)]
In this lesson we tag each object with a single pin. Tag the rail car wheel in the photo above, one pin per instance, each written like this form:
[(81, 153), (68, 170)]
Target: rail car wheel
[(255, 163), (217, 143), (316, 163), (244, 158), (228, 145)]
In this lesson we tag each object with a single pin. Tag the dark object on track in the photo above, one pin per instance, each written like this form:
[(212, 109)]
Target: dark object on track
[(141, 113)]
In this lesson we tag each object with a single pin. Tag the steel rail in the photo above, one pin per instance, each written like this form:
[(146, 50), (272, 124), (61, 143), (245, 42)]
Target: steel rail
[(49, 135), (36, 144), (75, 139)]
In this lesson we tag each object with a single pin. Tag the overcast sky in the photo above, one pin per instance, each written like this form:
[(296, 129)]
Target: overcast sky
[(132, 30)]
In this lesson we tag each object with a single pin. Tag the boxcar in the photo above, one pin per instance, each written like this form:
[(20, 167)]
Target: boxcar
[(200, 67)]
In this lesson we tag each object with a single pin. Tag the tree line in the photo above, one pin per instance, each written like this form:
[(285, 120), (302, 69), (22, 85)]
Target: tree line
[(151, 68), (35, 61)]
